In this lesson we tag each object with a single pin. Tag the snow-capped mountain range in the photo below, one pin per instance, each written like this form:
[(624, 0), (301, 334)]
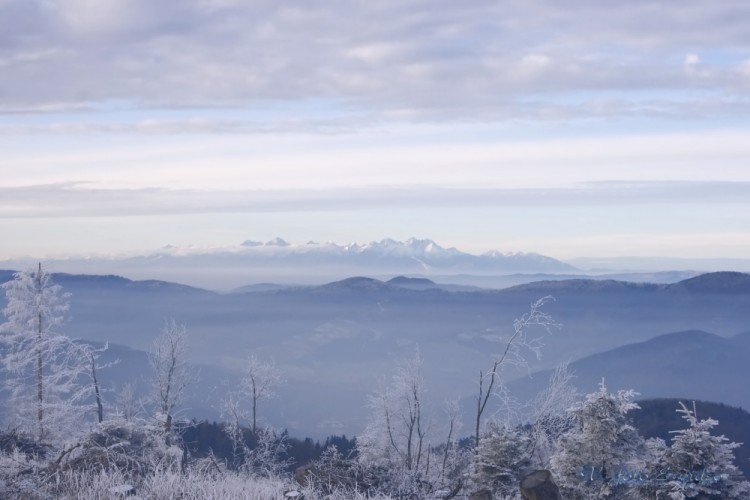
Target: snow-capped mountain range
[(412, 255), (279, 261)]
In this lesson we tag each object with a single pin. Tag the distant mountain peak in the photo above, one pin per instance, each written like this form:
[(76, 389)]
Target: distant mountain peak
[(278, 242), (422, 244), (251, 243), (391, 256), (403, 280)]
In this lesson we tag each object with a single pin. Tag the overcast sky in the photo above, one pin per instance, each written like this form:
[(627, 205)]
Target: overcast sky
[(577, 128)]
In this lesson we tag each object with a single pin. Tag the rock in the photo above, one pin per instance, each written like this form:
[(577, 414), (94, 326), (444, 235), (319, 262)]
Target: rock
[(302, 474), (539, 486)]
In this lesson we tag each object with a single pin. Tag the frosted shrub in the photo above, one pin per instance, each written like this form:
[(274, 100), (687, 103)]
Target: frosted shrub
[(130, 447), (168, 484), (18, 474)]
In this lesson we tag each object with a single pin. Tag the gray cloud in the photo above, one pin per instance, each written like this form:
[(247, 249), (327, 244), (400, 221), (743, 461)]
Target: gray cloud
[(77, 200), (388, 59)]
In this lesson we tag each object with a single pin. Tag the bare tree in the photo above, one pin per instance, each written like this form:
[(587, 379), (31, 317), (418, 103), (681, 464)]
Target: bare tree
[(259, 382), (518, 346), (453, 411), (43, 364), (89, 356), (127, 402), (171, 374), (396, 435), (550, 415)]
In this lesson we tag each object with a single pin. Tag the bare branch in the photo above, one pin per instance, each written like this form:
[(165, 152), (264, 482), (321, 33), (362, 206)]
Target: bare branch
[(514, 354)]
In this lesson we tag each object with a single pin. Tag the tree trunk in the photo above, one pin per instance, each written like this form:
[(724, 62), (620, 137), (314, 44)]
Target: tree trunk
[(99, 407), (40, 381), (255, 406)]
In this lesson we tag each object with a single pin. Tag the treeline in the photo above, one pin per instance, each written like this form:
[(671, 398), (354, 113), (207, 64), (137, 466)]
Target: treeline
[(204, 439)]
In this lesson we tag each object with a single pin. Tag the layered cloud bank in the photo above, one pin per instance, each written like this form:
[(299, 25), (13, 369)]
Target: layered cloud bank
[(386, 60), (578, 129)]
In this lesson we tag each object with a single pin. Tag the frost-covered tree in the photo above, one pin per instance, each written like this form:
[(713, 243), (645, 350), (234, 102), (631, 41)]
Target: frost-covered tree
[(602, 446), (397, 427), (257, 452), (502, 458), (89, 356), (452, 459), (43, 365), (395, 438), (127, 402), (259, 382), (549, 416), (170, 370), (508, 450), (698, 464), (517, 348)]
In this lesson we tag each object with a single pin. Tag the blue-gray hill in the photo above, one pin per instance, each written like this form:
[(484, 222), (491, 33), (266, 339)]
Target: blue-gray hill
[(691, 364), (343, 335)]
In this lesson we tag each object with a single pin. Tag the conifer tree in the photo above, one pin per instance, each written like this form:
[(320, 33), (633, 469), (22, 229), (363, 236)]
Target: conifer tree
[(698, 464), (593, 456), (501, 460), (43, 365)]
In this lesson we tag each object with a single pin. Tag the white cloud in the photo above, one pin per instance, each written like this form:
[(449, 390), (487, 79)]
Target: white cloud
[(535, 61), (744, 68), (80, 200), (373, 53), (98, 16), (692, 60), (441, 60)]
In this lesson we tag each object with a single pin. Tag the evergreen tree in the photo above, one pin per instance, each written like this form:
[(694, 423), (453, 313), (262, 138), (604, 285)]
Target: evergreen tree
[(697, 464), (501, 459), (594, 456)]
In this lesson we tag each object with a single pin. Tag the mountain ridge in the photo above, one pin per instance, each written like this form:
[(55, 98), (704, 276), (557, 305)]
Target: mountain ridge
[(234, 266), (340, 334), (689, 364)]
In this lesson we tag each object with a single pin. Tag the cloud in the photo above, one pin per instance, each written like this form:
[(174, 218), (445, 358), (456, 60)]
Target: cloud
[(436, 60), (189, 125), (79, 200)]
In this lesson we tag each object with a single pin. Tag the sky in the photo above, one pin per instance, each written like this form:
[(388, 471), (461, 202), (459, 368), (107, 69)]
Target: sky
[(579, 128)]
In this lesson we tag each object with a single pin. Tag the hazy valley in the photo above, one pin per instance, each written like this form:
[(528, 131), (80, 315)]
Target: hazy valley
[(334, 343)]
